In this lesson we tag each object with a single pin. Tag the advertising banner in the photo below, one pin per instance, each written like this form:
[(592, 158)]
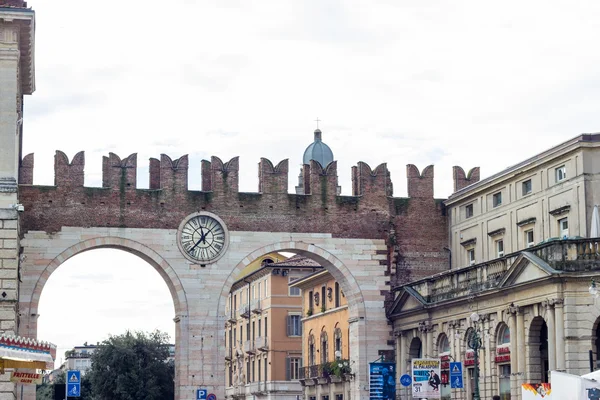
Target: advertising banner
[(382, 381), (26, 378), (535, 391), (426, 378)]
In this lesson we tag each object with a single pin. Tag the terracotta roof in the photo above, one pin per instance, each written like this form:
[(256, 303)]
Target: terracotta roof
[(13, 3), (296, 261)]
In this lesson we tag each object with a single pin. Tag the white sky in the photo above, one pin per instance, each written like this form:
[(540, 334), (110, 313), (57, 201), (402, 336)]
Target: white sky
[(470, 83)]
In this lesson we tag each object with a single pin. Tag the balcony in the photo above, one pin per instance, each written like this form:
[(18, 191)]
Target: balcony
[(336, 371), (568, 255), (231, 317), (249, 347), (256, 306), (244, 310), (262, 343)]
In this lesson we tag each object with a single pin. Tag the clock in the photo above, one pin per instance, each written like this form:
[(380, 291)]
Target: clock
[(202, 237)]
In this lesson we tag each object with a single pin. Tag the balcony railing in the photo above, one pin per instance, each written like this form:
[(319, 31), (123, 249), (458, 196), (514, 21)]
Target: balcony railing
[(326, 371), (262, 343), (249, 347), (255, 306), (244, 310), (570, 255)]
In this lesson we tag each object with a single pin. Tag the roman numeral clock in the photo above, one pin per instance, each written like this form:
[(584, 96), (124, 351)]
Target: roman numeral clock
[(202, 238)]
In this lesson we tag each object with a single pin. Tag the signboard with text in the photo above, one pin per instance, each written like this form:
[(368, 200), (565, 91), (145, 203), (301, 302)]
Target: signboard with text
[(426, 378), (26, 378), (382, 381)]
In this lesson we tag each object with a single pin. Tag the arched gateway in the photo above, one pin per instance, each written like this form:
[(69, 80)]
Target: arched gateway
[(369, 241)]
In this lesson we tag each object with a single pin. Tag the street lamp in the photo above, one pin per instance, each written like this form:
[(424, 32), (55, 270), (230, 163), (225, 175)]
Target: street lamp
[(474, 342), (594, 290)]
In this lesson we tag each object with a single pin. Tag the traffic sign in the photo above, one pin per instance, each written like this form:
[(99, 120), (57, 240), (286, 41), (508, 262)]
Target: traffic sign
[(73, 383), (405, 380), (211, 397), (456, 375), (201, 394)]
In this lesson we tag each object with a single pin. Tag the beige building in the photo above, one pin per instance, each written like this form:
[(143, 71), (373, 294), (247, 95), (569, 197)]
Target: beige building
[(263, 334), (328, 369), (521, 278)]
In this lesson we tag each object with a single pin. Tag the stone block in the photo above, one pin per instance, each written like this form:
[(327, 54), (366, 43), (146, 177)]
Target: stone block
[(9, 224), (9, 244)]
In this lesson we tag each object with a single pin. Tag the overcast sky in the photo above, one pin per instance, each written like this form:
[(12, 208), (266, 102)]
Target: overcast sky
[(474, 83)]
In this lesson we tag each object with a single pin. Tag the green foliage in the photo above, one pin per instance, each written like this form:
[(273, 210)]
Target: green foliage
[(323, 308), (133, 366), (309, 312), (45, 391), (339, 367)]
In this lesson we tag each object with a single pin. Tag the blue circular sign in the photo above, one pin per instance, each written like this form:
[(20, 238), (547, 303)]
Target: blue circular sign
[(405, 380), (211, 397)]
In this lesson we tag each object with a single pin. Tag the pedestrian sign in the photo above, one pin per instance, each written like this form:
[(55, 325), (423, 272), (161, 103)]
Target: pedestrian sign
[(456, 375), (74, 376), (201, 394), (73, 383)]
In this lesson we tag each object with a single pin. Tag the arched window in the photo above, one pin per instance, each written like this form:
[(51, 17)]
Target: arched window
[(311, 349), (503, 335), (266, 261), (444, 344), (324, 348), (338, 343)]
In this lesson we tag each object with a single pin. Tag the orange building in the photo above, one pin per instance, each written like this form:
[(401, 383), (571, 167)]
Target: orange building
[(328, 369), (263, 333)]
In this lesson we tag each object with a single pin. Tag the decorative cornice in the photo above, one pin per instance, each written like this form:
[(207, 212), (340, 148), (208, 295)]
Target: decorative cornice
[(497, 232), (468, 242), (526, 221), (560, 210)]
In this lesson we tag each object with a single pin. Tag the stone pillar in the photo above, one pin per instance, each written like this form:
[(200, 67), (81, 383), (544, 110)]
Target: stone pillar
[(514, 366), (487, 343), (550, 323), (429, 335), (401, 366), (521, 367), (559, 334)]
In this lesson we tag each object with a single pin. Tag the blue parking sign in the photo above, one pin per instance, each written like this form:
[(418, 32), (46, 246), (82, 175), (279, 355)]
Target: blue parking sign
[(201, 394)]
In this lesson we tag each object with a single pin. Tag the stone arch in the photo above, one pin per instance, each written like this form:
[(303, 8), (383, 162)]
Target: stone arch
[(537, 354), (357, 316), (502, 330), (415, 349), (443, 343), (34, 280)]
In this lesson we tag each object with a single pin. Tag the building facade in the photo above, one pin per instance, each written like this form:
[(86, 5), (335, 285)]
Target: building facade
[(325, 351), (519, 295), (80, 358), (263, 333)]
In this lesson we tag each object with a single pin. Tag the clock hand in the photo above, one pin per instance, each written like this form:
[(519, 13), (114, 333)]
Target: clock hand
[(202, 238)]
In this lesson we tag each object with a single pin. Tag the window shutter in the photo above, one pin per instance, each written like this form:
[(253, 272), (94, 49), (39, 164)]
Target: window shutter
[(287, 368), (289, 325), (299, 326)]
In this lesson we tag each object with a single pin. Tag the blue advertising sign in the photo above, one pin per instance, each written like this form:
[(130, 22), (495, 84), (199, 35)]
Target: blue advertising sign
[(456, 375), (201, 394), (382, 381), (405, 380), (73, 383)]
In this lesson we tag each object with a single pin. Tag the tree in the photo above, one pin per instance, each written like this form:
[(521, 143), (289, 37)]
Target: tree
[(133, 366)]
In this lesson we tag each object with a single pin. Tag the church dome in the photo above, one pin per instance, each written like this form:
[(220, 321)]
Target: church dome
[(318, 151)]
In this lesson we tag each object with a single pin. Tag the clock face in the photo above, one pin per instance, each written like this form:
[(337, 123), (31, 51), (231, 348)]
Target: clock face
[(202, 237)]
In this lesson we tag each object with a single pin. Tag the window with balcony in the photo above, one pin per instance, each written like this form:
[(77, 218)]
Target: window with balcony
[(526, 187), (338, 343), (324, 348), (563, 227), (560, 173), (468, 210), (311, 350), (294, 325), (497, 199), (471, 256), (500, 248), (529, 241)]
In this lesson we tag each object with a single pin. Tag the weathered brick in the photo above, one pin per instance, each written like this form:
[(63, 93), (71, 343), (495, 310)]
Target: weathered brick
[(8, 253), (9, 244), (10, 224)]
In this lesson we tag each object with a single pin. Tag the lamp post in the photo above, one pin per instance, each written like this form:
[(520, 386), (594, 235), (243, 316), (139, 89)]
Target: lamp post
[(474, 343)]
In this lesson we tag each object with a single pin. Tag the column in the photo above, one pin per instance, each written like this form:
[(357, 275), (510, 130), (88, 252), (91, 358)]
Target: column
[(521, 367), (512, 326), (488, 378), (429, 336), (560, 334), (551, 336), (401, 366)]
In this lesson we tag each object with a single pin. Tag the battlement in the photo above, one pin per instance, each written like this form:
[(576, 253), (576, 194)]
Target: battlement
[(420, 185), (461, 180)]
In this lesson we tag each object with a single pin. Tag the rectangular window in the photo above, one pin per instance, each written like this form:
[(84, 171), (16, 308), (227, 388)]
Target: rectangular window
[(526, 186), (253, 369), (310, 301), (266, 327), (561, 173), (294, 291), (294, 364), (294, 325), (499, 248), (266, 289), (339, 397), (259, 327), (497, 199), (248, 371), (563, 227), (259, 289), (468, 210), (504, 382), (529, 238), (323, 306), (471, 256), (325, 397)]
